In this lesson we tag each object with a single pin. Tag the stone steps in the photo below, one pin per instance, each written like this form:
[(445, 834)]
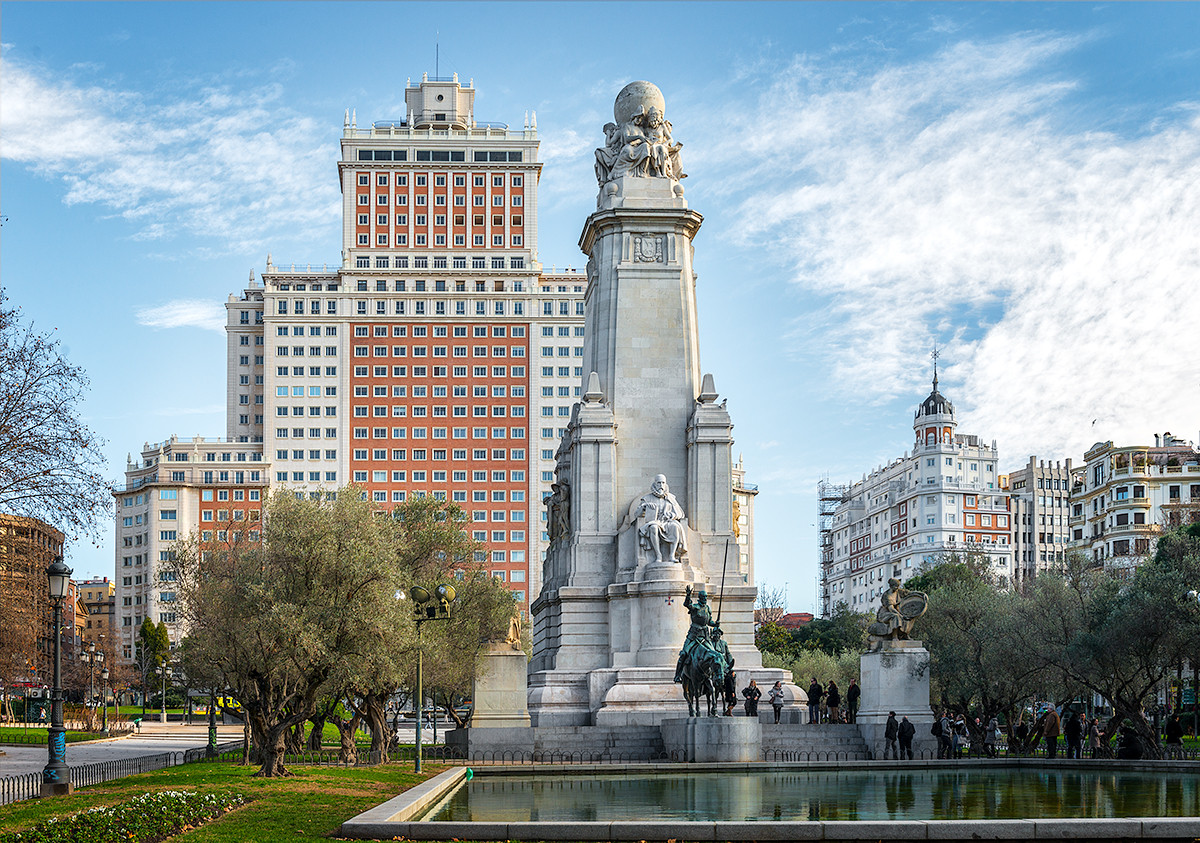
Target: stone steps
[(814, 741)]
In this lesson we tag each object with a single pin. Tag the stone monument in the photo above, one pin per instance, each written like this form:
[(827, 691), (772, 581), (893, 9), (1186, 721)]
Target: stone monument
[(894, 672), (642, 503), (500, 716)]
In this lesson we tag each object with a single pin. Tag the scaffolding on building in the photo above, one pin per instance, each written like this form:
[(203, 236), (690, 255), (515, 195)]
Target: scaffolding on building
[(829, 495)]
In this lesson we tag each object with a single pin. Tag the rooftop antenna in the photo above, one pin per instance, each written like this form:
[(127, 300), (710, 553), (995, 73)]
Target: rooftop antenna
[(437, 51)]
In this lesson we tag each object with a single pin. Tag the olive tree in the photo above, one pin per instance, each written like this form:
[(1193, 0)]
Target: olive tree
[(312, 612), (1118, 633)]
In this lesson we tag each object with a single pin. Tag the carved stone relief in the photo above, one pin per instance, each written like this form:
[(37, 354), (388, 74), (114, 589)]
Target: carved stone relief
[(648, 248)]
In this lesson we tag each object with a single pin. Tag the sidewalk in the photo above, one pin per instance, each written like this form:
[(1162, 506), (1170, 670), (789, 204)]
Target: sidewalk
[(155, 738)]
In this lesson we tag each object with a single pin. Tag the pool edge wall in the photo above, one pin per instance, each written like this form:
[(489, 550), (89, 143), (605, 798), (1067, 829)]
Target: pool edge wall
[(380, 822), (1097, 830), (393, 819)]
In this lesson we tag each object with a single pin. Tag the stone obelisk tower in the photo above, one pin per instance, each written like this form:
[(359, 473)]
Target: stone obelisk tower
[(642, 508)]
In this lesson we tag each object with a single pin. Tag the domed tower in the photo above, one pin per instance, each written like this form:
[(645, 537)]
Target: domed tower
[(934, 422)]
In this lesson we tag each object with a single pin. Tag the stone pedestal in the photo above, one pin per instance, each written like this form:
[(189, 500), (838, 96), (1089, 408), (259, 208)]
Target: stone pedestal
[(712, 739), (499, 692), (895, 678)]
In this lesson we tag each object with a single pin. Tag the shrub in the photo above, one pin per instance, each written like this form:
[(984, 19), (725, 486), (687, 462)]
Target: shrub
[(151, 816)]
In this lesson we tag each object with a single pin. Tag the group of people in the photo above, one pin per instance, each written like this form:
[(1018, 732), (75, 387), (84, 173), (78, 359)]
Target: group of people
[(954, 735), (898, 738), (1075, 729), (825, 703), (775, 694)]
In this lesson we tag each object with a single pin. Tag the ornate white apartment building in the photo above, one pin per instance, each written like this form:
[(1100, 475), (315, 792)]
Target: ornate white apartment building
[(1124, 496), (942, 498)]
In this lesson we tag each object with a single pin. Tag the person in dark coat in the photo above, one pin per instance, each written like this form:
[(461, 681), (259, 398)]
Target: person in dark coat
[(815, 693), (905, 733), (852, 695), (891, 731), (1174, 735), (833, 701), (1129, 746), (1073, 731), (752, 692)]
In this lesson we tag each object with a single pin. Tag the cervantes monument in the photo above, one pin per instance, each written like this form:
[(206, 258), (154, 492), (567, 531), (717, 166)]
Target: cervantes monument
[(642, 507)]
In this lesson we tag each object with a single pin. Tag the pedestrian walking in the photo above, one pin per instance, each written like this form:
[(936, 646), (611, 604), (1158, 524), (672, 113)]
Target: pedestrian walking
[(752, 692), (1174, 733), (962, 736), (944, 733), (906, 733), (1021, 733), (852, 695), (991, 736), (891, 732), (1094, 737), (1051, 728), (815, 693), (833, 702), (1073, 731), (777, 699)]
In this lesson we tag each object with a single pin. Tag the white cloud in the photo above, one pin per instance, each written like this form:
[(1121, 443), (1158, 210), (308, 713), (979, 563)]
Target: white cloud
[(184, 313), (234, 169), (946, 200)]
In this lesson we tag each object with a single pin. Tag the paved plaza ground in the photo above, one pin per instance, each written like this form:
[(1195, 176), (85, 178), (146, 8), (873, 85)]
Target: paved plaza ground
[(153, 739)]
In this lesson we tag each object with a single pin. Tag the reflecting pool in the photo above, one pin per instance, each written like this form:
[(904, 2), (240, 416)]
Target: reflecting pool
[(964, 794)]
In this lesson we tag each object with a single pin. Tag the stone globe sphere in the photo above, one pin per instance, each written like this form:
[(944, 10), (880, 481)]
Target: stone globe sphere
[(636, 97)]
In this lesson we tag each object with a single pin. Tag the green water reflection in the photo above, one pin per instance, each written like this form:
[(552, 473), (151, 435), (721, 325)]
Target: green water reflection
[(979, 793)]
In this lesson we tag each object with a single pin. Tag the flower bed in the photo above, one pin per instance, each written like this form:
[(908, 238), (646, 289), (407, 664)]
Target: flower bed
[(145, 818)]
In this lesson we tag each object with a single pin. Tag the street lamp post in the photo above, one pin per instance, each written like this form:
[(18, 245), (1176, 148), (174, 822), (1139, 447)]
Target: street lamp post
[(437, 612), (211, 750), (166, 674), (104, 697), (56, 776), (90, 656)]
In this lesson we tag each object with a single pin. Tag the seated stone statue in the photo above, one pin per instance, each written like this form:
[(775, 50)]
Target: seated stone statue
[(661, 522), (898, 609)]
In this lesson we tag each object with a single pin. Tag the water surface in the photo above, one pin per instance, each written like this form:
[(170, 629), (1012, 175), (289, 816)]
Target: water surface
[(978, 793)]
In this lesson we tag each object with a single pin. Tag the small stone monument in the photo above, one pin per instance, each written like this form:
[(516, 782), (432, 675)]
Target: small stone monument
[(498, 691), (500, 714), (894, 672)]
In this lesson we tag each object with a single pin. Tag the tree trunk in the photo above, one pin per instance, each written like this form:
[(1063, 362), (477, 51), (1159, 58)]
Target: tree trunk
[(348, 750), (272, 752), (245, 739), (451, 714), (294, 742), (381, 733), (1143, 733), (315, 736)]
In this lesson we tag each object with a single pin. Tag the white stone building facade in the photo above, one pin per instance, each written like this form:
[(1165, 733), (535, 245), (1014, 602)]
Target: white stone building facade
[(942, 498), (1124, 496)]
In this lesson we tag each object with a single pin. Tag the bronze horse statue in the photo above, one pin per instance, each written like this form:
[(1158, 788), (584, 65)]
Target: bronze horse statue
[(703, 674)]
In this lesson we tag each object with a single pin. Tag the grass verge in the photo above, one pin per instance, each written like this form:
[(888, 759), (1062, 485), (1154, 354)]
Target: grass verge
[(307, 807)]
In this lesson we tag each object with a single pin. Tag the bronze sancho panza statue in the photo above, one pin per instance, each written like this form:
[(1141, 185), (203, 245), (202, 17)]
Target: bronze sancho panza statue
[(899, 608)]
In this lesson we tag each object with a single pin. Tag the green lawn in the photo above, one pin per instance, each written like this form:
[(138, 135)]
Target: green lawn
[(307, 807), (16, 735)]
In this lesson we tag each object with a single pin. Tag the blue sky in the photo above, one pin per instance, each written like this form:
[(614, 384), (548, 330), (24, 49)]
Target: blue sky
[(1015, 182)]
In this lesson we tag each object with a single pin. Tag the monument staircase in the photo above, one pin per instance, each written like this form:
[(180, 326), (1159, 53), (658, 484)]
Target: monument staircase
[(813, 742)]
